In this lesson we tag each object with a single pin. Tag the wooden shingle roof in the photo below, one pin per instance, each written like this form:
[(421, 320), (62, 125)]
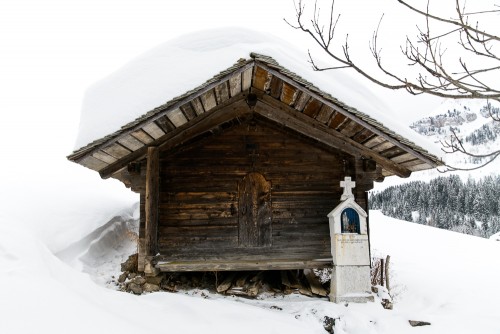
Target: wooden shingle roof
[(283, 97)]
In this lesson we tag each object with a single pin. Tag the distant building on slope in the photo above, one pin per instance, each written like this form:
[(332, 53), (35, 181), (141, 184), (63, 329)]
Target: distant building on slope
[(241, 172)]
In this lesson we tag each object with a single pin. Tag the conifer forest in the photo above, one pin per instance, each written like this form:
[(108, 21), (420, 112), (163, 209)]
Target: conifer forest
[(470, 207)]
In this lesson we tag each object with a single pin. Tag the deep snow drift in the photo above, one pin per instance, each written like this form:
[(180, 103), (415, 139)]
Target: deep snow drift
[(442, 277)]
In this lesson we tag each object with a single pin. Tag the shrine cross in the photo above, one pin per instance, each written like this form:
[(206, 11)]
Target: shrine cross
[(347, 184)]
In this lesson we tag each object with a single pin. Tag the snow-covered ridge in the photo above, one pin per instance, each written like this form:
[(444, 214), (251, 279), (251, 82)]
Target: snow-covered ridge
[(464, 117), (440, 124), (470, 120)]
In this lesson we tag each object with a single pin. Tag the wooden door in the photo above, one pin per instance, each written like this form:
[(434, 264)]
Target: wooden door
[(254, 211)]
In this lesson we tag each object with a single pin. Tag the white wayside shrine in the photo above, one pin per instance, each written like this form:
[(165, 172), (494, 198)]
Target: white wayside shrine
[(350, 250)]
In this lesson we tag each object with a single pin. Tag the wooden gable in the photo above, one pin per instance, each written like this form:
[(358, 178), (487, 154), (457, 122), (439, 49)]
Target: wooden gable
[(257, 86), (249, 194), (241, 172)]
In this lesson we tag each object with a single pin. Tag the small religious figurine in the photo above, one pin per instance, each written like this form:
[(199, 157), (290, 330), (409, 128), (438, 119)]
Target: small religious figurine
[(345, 222)]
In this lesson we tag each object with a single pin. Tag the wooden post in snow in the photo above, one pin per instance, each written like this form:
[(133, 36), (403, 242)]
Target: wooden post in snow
[(152, 194), (387, 272), (382, 272)]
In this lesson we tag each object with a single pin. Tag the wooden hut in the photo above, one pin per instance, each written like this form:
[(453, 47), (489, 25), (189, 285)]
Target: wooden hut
[(241, 172)]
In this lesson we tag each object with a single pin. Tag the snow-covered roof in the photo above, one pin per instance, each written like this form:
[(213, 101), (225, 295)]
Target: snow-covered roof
[(166, 81)]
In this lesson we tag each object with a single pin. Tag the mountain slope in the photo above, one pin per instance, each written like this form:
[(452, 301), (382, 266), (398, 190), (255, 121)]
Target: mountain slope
[(471, 121)]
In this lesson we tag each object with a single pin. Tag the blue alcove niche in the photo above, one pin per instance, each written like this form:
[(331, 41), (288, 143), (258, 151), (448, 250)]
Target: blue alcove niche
[(349, 221)]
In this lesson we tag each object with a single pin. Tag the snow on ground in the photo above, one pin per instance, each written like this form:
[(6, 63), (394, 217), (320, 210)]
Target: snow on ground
[(442, 277), (58, 201), (101, 252), (41, 294), (448, 278)]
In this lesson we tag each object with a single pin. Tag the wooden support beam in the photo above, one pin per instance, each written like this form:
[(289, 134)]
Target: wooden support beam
[(209, 265), (152, 198), (309, 127)]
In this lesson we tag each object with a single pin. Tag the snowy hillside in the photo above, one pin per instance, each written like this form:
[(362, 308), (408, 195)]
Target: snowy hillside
[(445, 278), (432, 198), (471, 121)]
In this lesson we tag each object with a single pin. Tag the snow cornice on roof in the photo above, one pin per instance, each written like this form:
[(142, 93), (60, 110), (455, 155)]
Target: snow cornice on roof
[(240, 66)]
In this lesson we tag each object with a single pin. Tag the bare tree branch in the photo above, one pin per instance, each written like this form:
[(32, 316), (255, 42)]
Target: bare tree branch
[(427, 53)]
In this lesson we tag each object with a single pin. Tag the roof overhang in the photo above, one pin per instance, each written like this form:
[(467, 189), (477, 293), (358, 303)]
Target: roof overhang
[(260, 87)]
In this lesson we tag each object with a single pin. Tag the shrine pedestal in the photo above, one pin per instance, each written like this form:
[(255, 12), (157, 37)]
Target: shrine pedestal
[(350, 250), (350, 284), (351, 270)]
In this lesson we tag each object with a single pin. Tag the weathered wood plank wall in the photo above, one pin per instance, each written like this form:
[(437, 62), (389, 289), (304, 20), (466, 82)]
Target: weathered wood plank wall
[(199, 200)]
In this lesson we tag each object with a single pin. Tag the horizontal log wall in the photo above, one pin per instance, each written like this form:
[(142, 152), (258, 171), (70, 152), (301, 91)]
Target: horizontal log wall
[(198, 218)]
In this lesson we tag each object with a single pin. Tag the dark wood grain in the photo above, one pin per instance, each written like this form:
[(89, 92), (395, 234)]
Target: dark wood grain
[(152, 199), (200, 196)]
